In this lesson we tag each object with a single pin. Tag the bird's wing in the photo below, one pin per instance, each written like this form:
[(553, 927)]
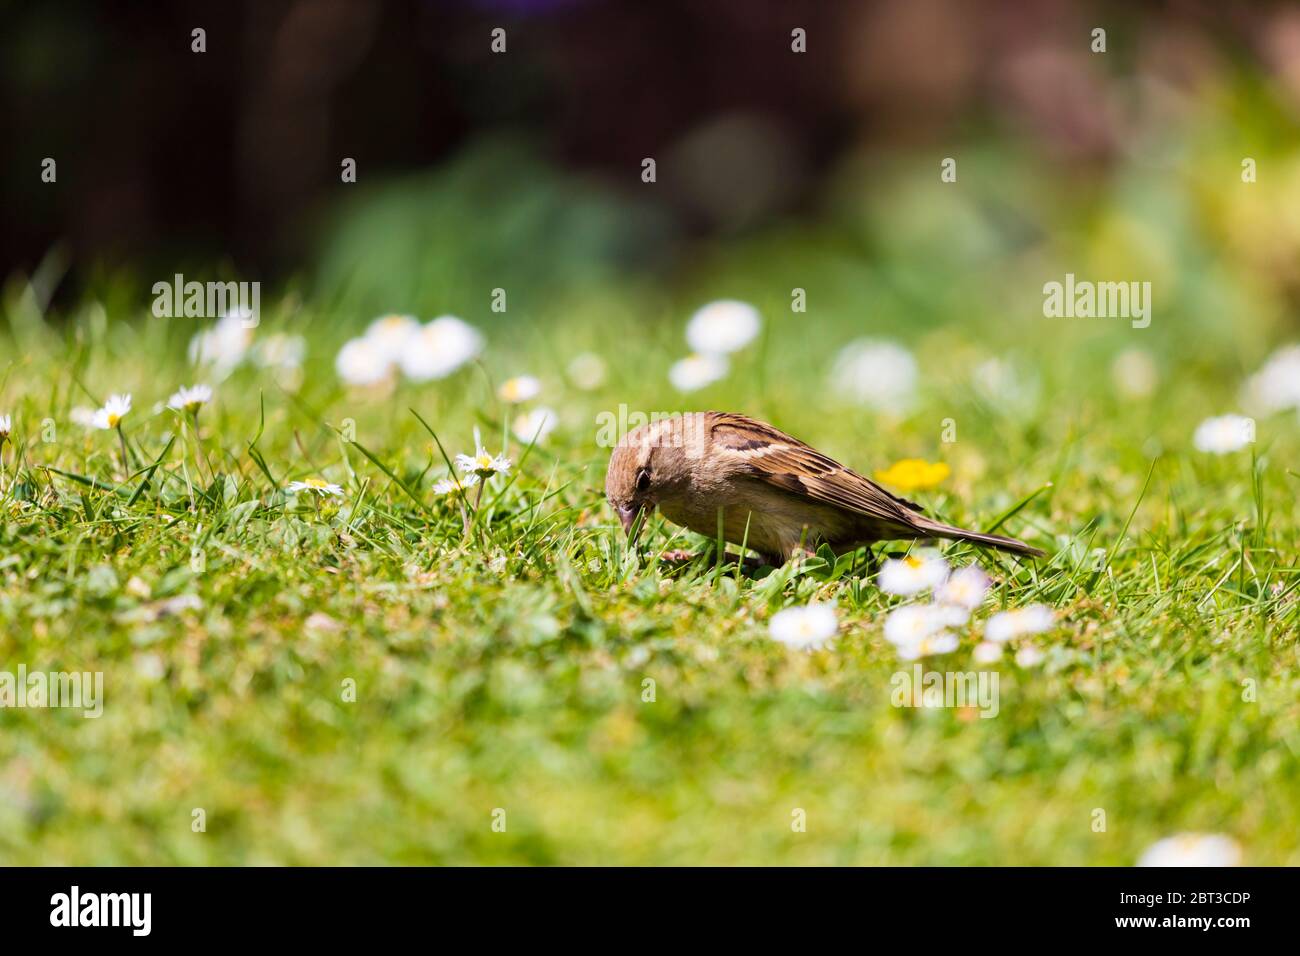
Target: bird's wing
[(789, 464)]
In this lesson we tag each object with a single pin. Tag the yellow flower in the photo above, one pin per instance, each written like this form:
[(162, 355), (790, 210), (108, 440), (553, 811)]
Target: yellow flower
[(914, 474)]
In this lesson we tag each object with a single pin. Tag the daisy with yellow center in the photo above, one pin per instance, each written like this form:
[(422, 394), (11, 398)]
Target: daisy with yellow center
[(316, 486), (914, 474), (521, 388), (919, 571), (110, 417), (483, 463), (114, 410), (391, 335), (190, 399)]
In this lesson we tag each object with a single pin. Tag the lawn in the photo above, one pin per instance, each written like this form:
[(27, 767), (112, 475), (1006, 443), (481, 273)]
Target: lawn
[(383, 676)]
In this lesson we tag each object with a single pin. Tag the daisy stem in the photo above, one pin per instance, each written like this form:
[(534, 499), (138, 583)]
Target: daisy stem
[(478, 498), (126, 457), (463, 500), (198, 447), (189, 485)]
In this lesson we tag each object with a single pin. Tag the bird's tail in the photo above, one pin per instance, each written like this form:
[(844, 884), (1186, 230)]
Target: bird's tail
[(939, 530)]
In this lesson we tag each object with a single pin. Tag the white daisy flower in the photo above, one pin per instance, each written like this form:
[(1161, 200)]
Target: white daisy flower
[(986, 652), (316, 486), (83, 416), (535, 424), (1276, 386), (1029, 656), (280, 350), (919, 571), (521, 388), (1227, 433), (392, 334), (878, 374), (283, 354), (190, 399), (224, 345), (1134, 374), (910, 623), (696, 371), (1193, 849), (447, 485), (587, 371), (439, 348), (965, 588), (244, 316), (721, 327), (941, 643), (6, 426), (807, 628), (361, 363), (114, 410), (1009, 625), (483, 463)]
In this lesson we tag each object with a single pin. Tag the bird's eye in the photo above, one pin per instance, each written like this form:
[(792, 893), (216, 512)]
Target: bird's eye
[(642, 479)]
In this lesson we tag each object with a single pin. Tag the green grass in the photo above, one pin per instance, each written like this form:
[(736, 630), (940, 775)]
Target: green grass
[(505, 669)]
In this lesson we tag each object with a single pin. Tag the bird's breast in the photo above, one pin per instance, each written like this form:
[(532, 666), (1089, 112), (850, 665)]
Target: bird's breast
[(759, 517)]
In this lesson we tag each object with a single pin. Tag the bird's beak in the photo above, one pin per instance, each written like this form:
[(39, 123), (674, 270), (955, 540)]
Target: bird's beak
[(627, 516)]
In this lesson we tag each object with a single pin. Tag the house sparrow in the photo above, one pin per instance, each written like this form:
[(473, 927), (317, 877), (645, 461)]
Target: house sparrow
[(770, 492)]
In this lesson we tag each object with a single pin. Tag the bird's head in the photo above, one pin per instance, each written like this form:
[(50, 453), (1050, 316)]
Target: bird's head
[(629, 483), (649, 465)]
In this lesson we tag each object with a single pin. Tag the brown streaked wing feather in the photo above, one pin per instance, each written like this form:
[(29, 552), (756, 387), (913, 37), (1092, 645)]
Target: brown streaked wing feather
[(791, 465)]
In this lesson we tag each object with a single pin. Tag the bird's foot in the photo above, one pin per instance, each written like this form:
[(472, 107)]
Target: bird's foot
[(678, 556)]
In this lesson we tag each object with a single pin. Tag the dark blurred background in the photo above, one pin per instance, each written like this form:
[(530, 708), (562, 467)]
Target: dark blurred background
[(166, 156)]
